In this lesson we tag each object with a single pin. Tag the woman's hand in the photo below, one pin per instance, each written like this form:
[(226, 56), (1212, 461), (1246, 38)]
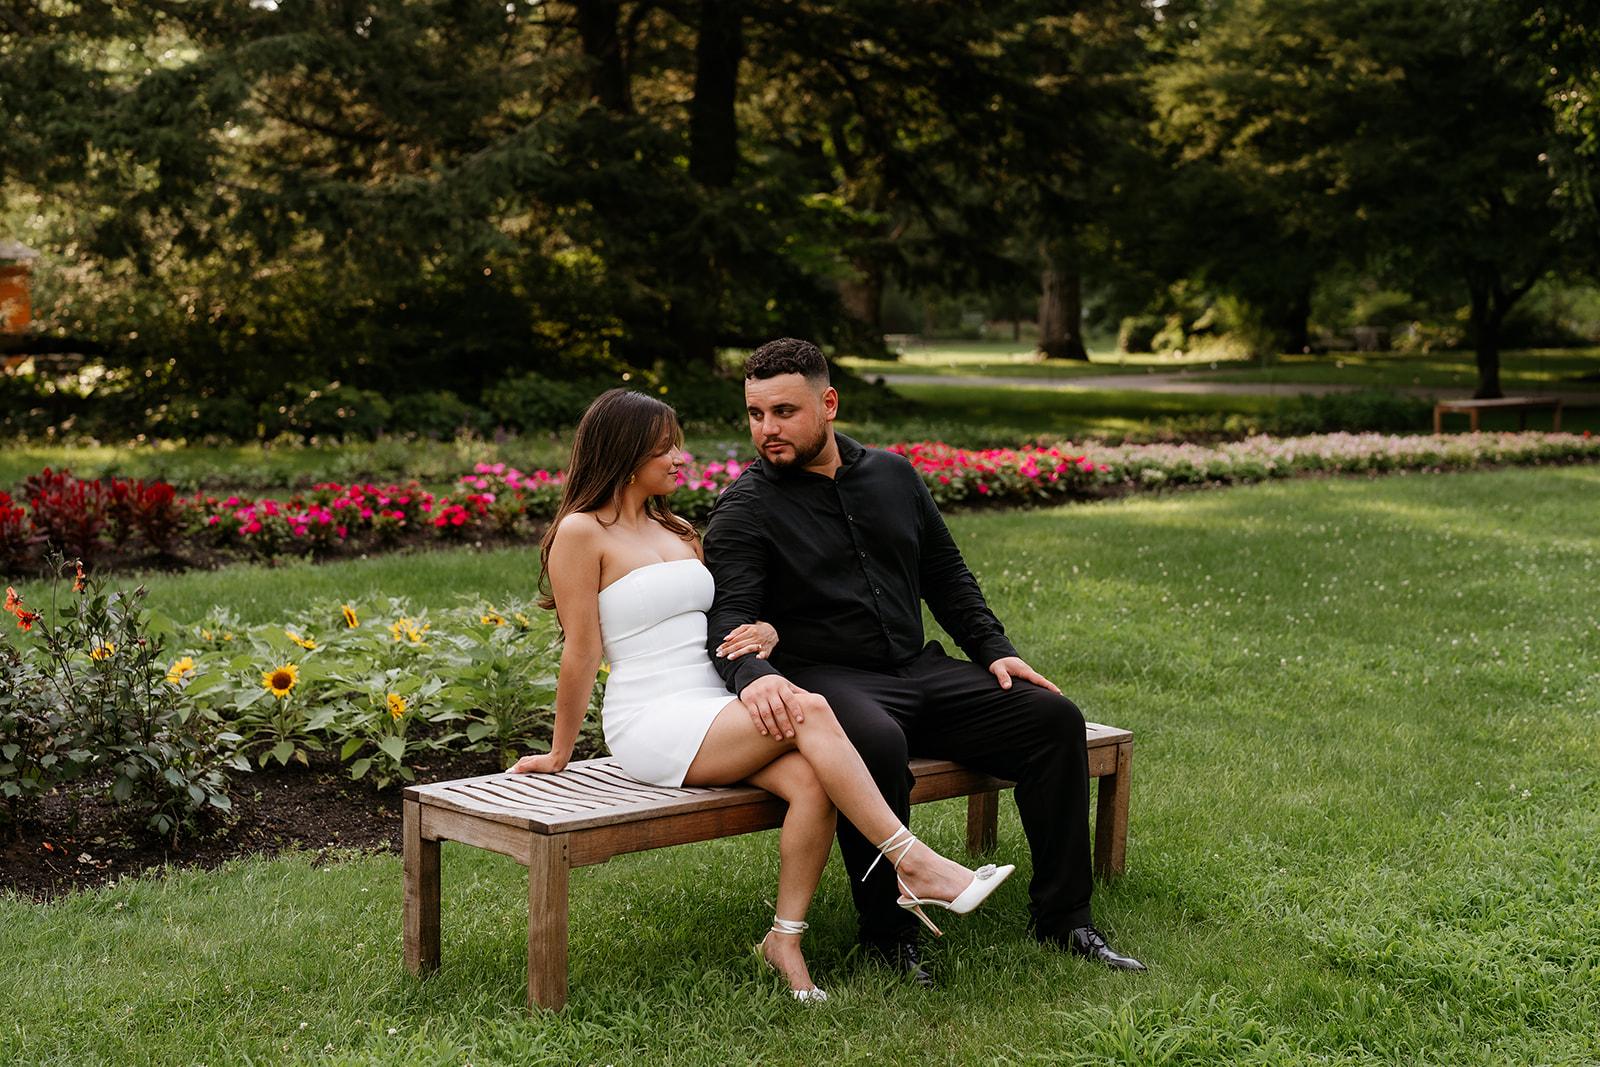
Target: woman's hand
[(758, 637), (544, 763)]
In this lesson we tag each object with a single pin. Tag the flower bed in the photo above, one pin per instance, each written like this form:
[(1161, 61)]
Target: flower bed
[(498, 501), (96, 688)]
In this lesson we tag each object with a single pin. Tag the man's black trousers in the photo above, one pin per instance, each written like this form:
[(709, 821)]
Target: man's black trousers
[(944, 708)]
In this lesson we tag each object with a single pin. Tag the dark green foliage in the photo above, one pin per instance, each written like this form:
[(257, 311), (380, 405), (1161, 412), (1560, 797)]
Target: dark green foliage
[(426, 197), (36, 749), (1358, 411), (1414, 140)]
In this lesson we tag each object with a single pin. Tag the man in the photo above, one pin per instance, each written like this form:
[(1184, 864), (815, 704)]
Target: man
[(837, 546)]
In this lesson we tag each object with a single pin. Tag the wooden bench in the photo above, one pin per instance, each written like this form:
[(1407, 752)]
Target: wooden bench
[(1520, 404), (593, 811)]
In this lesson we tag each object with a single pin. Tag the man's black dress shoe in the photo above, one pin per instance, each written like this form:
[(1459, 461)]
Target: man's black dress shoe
[(901, 955), (1086, 941)]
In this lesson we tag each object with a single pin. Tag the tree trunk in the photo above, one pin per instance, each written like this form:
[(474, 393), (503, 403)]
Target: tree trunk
[(1487, 315), (602, 46), (1294, 322), (713, 161), (1061, 314), (713, 126), (863, 297)]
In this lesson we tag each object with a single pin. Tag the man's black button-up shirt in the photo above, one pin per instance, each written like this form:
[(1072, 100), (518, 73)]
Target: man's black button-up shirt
[(840, 567)]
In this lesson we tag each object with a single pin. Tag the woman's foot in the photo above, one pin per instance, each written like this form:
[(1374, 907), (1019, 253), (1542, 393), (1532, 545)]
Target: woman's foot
[(781, 950), (929, 876), (930, 869)]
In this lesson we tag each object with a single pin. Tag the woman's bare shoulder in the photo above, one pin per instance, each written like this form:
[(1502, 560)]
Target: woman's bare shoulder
[(578, 532)]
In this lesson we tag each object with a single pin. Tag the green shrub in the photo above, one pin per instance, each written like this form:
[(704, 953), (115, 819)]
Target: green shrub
[(89, 694), (533, 403), (1375, 410), (439, 414), (339, 411), (1138, 332)]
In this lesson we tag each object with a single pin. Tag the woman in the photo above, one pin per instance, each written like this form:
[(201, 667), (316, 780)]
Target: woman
[(627, 579)]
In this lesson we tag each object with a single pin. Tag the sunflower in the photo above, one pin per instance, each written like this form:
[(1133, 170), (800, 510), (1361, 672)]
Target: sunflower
[(397, 705), (350, 619), (104, 650), (181, 668), (492, 618), (407, 630), (281, 680), (304, 642)]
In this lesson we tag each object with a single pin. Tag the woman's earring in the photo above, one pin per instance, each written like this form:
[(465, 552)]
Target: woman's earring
[(630, 479)]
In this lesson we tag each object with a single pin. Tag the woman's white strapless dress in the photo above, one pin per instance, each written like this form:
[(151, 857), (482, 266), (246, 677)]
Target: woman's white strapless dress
[(662, 693)]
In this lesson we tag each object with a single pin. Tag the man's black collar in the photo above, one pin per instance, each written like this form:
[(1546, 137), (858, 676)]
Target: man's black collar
[(849, 452)]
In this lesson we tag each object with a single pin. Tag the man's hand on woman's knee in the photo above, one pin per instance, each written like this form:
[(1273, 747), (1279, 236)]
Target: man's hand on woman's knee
[(772, 707)]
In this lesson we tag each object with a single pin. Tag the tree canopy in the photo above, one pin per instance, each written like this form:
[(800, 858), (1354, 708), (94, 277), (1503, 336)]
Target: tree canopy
[(245, 204)]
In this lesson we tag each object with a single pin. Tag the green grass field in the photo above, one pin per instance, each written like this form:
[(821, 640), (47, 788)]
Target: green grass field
[(1522, 370), (1365, 804)]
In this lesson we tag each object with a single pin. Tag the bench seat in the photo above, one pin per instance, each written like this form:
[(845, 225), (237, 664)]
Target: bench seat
[(592, 811), (1520, 404)]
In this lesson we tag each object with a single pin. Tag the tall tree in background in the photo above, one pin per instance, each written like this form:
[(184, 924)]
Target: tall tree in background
[(1413, 135), (1092, 62)]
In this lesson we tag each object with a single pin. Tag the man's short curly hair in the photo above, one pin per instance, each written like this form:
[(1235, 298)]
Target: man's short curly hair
[(788, 355)]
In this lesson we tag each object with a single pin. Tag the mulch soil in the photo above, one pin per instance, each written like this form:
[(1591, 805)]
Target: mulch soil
[(75, 840)]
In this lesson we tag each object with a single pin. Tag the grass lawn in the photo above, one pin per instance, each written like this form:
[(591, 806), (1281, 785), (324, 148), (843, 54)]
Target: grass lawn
[(1365, 805), (989, 415), (1010, 359), (1522, 372)]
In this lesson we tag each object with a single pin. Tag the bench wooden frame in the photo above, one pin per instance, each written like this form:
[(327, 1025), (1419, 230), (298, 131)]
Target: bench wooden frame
[(1520, 404), (592, 811)]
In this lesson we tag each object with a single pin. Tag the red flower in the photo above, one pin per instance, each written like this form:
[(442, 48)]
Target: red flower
[(26, 619)]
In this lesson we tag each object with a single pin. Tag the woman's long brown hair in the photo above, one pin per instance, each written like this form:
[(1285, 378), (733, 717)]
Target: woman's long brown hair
[(618, 432)]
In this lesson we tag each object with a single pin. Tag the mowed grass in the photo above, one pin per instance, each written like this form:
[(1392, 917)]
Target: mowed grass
[(990, 415), (1365, 805), (1522, 372)]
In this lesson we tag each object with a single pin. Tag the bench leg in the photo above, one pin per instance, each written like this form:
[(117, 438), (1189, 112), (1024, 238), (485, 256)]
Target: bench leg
[(420, 896), (1111, 816), (547, 921), (1438, 421), (983, 822), (1555, 420)]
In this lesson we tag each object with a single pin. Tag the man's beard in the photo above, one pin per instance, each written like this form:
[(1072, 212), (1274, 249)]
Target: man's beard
[(804, 451)]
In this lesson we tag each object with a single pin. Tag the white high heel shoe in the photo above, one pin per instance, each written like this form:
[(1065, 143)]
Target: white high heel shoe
[(985, 880), (790, 926)]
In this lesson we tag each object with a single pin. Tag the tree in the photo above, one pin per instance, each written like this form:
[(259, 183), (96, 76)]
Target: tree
[(1414, 135)]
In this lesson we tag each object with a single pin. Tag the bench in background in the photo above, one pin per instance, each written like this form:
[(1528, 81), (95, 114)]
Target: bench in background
[(1520, 404)]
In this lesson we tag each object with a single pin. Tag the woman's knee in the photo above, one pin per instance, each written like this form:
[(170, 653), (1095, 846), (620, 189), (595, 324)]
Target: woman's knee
[(817, 714)]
